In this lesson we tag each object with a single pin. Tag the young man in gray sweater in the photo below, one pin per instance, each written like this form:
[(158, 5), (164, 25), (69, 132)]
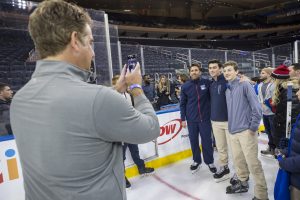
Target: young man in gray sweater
[(244, 116)]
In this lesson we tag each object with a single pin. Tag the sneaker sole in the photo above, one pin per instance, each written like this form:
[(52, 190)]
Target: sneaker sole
[(225, 177), (268, 156), (238, 192), (147, 174)]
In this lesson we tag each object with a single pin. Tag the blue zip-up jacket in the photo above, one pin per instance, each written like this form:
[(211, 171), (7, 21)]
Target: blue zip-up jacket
[(218, 99), (244, 109), (195, 100), (292, 163), (149, 91)]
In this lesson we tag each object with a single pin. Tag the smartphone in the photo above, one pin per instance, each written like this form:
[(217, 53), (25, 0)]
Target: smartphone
[(131, 62)]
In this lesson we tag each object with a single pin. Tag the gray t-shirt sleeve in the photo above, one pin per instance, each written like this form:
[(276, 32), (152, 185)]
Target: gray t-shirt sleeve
[(117, 121)]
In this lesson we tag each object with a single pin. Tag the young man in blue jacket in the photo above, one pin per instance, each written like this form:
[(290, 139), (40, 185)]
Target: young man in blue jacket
[(244, 116), (195, 114)]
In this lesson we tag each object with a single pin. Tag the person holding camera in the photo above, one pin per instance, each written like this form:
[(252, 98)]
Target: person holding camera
[(69, 133)]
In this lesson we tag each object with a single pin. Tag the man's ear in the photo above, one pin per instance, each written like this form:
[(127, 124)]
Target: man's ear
[(74, 40)]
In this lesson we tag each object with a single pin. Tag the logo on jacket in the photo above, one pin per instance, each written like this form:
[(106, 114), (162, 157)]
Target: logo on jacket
[(11, 165), (169, 131)]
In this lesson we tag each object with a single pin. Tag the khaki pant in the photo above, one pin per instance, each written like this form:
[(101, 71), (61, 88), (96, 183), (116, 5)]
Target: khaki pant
[(245, 152), (295, 193), (220, 130)]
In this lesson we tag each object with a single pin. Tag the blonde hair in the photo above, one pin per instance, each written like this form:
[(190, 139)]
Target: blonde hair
[(115, 79), (268, 70), (52, 23), (231, 63), (167, 83), (278, 84)]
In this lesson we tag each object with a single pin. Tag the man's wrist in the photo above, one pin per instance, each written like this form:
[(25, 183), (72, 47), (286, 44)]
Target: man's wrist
[(133, 86), (136, 91)]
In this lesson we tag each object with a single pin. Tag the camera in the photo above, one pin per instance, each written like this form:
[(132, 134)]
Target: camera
[(132, 61)]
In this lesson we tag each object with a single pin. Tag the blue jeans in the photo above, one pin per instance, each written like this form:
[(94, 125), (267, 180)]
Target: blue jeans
[(269, 128), (205, 130), (135, 154)]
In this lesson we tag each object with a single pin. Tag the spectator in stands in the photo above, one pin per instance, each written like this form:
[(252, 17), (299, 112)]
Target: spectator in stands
[(69, 133), (133, 148), (279, 100), (181, 79), (5, 99), (148, 88), (265, 92), (244, 115), (219, 118), (195, 114), (292, 163), (294, 70), (163, 91)]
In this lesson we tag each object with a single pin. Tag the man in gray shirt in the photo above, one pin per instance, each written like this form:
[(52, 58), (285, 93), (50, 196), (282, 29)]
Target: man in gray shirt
[(244, 116), (69, 133), (265, 92)]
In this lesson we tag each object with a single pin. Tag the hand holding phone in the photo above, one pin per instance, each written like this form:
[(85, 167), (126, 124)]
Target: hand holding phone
[(132, 61)]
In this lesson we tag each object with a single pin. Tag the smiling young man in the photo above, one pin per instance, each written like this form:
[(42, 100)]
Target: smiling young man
[(244, 115), (219, 117), (195, 114)]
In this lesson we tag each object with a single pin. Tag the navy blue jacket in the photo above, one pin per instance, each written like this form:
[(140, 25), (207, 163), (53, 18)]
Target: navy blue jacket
[(5, 127), (292, 163), (149, 91), (195, 100), (218, 99)]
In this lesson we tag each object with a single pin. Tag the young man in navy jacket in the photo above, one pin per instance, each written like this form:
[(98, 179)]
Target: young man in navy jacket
[(195, 114)]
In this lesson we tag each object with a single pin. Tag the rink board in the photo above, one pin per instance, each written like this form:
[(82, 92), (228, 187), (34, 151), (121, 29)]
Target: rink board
[(11, 178), (172, 145)]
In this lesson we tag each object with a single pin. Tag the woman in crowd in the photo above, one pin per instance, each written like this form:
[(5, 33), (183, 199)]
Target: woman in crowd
[(163, 91), (279, 100)]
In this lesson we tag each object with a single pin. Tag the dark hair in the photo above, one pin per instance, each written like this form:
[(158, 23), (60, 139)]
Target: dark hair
[(196, 65), (2, 86), (145, 75), (231, 63), (296, 66), (215, 61), (183, 77)]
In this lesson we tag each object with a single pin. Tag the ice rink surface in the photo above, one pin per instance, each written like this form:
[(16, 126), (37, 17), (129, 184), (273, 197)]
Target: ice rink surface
[(176, 182)]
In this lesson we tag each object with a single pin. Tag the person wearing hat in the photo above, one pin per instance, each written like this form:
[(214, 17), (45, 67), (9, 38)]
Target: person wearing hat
[(279, 100), (265, 92)]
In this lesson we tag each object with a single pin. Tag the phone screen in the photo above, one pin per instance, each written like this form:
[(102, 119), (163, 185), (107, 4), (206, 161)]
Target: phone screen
[(131, 62)]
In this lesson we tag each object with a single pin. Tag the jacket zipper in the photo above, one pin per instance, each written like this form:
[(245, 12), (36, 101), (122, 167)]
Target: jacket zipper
[(198, 101)]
